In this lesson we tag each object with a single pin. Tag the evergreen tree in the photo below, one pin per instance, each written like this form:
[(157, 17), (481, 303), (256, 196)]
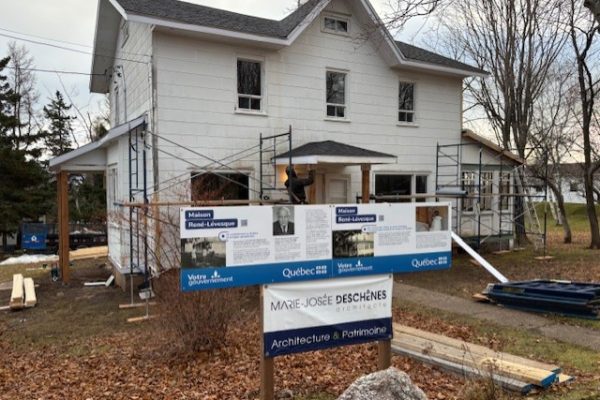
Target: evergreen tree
[(58, 138), (22, 179)]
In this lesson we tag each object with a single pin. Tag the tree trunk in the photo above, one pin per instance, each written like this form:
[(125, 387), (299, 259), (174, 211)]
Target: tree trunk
[(590, 206), (562, 212)]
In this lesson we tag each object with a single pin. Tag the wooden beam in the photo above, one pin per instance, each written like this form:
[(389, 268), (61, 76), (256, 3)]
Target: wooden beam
[(17, 296), (30, 297), (366, 182), (63, 224)]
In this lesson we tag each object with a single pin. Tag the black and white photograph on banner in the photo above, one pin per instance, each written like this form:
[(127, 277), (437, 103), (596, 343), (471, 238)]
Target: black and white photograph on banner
[(283, 220), (203, 253), (353, 243), (431, 219)]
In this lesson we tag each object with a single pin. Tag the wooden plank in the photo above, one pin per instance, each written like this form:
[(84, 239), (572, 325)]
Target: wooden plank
[(482, 298), (546, 378), (384, 354), (141, 319), (544, 258), (136, 305), (30, 297), (4, 308), (465, 371), (17, 296), (562, 378), (89, 253), (109, 281), (522, 373), (94, 284), (474, 348)]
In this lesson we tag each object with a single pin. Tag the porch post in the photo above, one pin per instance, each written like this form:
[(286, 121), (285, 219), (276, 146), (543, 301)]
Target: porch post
[(63, 224), (384, 347), (366, 182)]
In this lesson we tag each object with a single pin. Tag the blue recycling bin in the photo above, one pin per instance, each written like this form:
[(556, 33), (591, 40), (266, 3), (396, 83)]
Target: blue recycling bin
[(33, 236)]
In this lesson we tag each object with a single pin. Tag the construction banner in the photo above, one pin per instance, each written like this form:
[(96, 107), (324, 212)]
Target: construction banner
[(241, 246), (308, 316)]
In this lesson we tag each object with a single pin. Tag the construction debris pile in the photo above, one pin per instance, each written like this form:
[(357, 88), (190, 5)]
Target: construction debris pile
[(574, 299), (511, 372)]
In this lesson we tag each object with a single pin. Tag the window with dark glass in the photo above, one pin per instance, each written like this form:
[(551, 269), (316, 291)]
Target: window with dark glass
[(249, 85), (338, 25), (336, 94), (221, 186), (421, 186), (406, 102), (393, 185)]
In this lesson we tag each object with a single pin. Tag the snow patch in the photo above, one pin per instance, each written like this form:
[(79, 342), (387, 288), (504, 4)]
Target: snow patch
[(30, 259)]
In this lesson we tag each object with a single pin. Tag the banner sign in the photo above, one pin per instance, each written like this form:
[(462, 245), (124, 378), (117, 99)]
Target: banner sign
[(316, 315), (240, 246)]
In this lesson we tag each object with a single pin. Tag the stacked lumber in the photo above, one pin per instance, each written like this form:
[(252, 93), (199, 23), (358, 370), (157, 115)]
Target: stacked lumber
[(89, 252), (508, 371), (576, 299), (23, 293), (17, 296)]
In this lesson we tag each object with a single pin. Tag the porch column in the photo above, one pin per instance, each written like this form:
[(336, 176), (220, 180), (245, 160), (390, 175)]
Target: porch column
[(366, 182), (63, 224), (384, 347)]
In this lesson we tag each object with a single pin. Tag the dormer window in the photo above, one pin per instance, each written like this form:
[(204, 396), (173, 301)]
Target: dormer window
[(336, 24)]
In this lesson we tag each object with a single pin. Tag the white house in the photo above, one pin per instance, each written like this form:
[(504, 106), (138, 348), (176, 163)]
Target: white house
[(202, 85)]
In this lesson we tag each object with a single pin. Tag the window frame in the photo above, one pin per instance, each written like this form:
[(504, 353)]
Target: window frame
[(413, 183), (487, 191), (345, 105), (336, 17), (413, 112), (261, 97), (196, 174)]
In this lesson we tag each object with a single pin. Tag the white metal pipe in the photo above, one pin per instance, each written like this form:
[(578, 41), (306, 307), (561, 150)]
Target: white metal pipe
[(478, 258)]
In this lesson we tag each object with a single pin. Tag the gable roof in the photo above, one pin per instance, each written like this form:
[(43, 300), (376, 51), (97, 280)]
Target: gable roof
[(329, 151), (180, 15), (470, 135), (196, 14)]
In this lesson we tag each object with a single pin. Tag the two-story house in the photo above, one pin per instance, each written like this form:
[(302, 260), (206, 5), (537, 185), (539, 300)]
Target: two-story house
[(202, 85)]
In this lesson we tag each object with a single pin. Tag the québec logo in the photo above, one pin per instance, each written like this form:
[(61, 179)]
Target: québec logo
[(428, 262), (215, 275), (358, 264)]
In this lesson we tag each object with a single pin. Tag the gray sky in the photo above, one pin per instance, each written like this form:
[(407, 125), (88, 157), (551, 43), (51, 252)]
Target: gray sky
[(59, 21)]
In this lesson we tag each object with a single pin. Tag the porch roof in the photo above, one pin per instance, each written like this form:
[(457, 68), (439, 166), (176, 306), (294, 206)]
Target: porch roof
[(330, 152), (92, 156)]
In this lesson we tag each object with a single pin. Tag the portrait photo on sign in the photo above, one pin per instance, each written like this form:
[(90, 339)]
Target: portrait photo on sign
[(431, 219), (283, 220), (353, 243), (203, 253)]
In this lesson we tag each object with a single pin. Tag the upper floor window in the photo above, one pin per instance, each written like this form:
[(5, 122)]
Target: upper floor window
[(249, 83), (336, 94), (336, 24), (406, 102)]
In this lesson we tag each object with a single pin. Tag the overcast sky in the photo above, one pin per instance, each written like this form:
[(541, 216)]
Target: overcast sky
[(71, 23)]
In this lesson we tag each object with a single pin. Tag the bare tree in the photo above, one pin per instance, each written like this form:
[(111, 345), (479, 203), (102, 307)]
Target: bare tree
[(554, 136), (583, 29), (23, 81)]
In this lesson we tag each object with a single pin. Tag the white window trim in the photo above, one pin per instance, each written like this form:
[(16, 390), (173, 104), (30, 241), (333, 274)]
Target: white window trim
[(263, 87), (494, 199), (415, 122), (346, 104), (339, 17)]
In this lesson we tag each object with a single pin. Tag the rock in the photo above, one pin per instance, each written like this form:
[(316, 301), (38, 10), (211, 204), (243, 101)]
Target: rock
[(390, 384)]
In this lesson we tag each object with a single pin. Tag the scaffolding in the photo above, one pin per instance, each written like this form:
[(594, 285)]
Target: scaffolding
[(498, 207)]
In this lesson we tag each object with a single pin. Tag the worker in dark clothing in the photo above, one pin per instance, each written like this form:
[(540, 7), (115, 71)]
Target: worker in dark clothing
[(296, 185)]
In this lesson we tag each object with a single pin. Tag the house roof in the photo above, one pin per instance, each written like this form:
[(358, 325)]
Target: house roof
[(196, 14), (180, 15), (331, 152), (79, 160), (419, 54), (470, 135)]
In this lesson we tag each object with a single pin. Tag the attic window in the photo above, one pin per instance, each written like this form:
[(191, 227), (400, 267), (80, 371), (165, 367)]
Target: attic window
[(335, 25)]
